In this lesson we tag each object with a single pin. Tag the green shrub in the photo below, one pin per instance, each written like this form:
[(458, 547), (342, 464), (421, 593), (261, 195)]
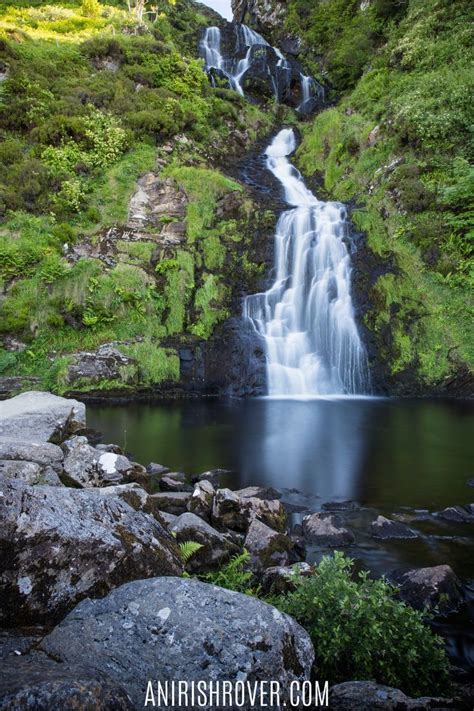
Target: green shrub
[(360, 631)]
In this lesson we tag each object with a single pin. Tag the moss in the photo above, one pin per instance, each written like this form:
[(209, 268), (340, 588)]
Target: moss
[(153, 364), (208, 303)]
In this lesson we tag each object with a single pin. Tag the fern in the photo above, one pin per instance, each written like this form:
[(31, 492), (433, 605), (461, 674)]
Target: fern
[(187, 549), (233, 575)]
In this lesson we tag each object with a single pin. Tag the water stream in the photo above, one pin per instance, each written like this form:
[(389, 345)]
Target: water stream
[(306, 318)]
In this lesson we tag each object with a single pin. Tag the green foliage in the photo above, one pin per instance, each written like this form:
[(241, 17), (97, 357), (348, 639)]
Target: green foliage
[(187, 549), (360, 631), (234, 575), (154, 365), (90, 8)]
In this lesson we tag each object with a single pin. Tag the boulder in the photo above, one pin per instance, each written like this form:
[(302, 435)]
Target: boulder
[(167, 518), (227, 511), (230, 510), (369, 696), (85, 466), (280, 579), (267, 547), (29, 472), (134, 496), (156, 469), (168, 483), (180, 628), (470, 482), (386, 529), (216, 548), (42, 453), (202, 499), (173, 502), (58, 545), (41, 417), (458, 514), (106, 363), (326, 530), (428, 588), (38, 683)]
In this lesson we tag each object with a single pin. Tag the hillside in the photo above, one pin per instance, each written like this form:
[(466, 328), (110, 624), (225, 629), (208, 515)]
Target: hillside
[(116, 286)]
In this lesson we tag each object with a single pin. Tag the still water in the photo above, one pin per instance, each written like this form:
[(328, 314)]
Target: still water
[(402, 458)]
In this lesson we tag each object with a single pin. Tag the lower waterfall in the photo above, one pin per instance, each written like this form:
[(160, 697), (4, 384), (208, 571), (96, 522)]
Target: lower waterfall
[(307, 317)]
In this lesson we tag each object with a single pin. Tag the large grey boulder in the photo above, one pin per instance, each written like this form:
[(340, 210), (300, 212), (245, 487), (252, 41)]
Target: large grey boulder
[(267, 547), (386, 529), (58, 545), (41, 417), (216, 548), (38, 683), (134, 496), (177, 628), (369, 696), (325, 529), (427, 588)]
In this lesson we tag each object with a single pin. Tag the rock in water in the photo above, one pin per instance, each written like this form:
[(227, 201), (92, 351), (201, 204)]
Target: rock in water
[(326, 530), (458, 514), (40, 684), (176, 628), (385, 529), (58, 545), (427, 588), (41, 417)]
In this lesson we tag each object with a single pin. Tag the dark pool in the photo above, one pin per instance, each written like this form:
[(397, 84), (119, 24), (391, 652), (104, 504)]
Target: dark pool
[(407, 458)]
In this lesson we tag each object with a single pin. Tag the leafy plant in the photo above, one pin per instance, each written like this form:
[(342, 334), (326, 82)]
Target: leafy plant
[(234, 575), (360, 631), (187, 549)]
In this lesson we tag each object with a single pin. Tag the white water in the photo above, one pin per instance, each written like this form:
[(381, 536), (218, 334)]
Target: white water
[(307, 317), (235, 70)]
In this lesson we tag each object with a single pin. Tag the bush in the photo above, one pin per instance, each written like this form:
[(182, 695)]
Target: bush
[(360, 631)]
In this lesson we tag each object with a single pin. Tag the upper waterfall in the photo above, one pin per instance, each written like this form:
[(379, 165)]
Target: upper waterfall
[(252, 55), (307, 317)]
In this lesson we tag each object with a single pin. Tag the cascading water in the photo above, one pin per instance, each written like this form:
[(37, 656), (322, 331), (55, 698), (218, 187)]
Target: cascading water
[(307, 318), (309, 89), (235, 70)]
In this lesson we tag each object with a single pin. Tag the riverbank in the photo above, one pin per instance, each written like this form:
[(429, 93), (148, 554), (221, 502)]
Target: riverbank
[(81, 521)]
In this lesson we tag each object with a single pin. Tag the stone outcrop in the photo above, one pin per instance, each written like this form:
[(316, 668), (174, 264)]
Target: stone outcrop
[(202, 499), (173, 502), (41, 417), (267, 547), (230, 510), (281, 579), (59, 545), (177, 628)]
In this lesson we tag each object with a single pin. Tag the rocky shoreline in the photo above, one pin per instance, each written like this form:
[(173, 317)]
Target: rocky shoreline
[(93, 601)]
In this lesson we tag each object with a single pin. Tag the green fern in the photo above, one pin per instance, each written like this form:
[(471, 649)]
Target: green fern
[(187, 549), (233, 575)]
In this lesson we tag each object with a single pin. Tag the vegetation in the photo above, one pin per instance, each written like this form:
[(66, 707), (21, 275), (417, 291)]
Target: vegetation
[(398, 146), (358, 628), (93, 92)]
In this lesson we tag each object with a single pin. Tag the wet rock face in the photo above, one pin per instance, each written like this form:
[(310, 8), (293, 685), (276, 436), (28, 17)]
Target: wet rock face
[(428, 588), (264, 14), (38, 683), (176, 628), (58, 545)]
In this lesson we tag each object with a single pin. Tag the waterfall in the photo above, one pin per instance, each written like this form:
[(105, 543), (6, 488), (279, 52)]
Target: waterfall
[(235, 69), (309, 88), (307, 318)]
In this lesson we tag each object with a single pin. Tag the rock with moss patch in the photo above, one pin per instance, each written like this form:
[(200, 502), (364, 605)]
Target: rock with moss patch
[(202, 499), (429, 588), (173, 502), (59, 545), (365, 695), (267, 547), (216, 548)]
